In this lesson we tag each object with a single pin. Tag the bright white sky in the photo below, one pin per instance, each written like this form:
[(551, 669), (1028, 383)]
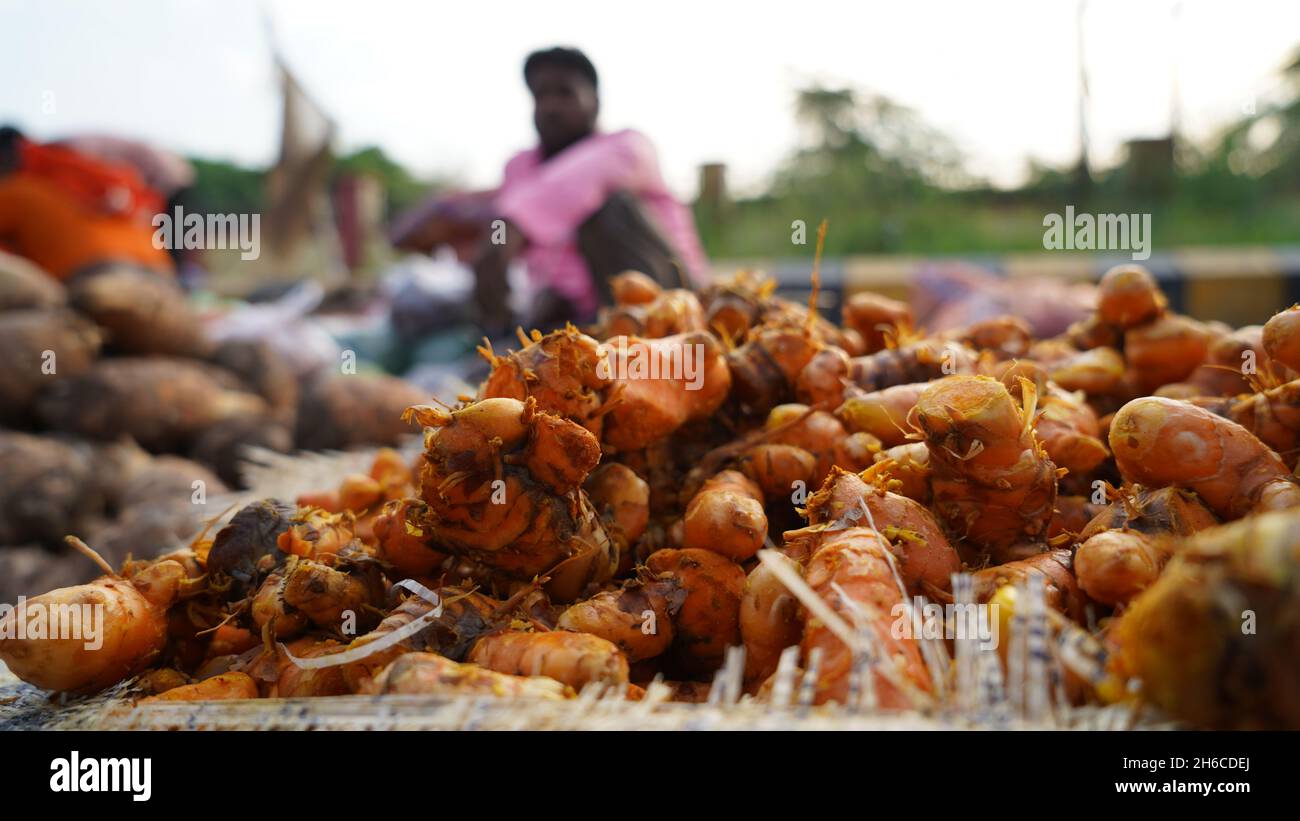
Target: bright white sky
[(438, 86)]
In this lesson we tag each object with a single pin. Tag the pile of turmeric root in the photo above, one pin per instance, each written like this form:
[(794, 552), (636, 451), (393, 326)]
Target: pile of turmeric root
[(728, 469)]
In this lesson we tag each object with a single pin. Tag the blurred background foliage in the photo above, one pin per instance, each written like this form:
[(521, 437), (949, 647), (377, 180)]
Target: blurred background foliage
[(223, 187), (889, 183)]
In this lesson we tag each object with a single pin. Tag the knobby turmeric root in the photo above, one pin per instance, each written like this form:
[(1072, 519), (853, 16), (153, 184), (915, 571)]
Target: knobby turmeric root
[(851, 571), (883, 413), (727, 517), (597, 516), (915, 362), (1124, 548), (402, 539), (219, 687), (430, 674), (823, 435), (1164, 442), (994, 485), (574, 659), (1116, 565), (708, 621), (639, 311), (1214, 640), (1055, 568), (924, 556), (770, 621), (502, 481), (90, 636), (1281, 337), (1128, 296), (877, 318), (637, 618), (561, 371), (658, 385)]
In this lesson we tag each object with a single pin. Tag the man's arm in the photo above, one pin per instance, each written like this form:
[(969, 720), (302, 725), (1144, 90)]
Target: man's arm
[(491, 283), (456, 219)]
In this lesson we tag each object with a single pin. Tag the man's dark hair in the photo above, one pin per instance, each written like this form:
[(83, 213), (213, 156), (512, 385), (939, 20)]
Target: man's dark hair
[(560, 57), (10, 137)]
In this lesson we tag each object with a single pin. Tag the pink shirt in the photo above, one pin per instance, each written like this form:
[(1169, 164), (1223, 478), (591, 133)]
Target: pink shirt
[(548, 201)]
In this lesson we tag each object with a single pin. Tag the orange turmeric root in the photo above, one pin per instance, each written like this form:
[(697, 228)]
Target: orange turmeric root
[(90, 636), (270, 615), (1097, 371), (1164, 442), (1072, 514), (994, 485), (637, 618), (1056, 569), (766, 368), (331, 599), (431, 674), (925, 558), (777, 469), (1003, 337), (818, 432), (402, 539), (850, 571), (451, 632), (279, 677), (1124, 548), (733, 306), (622, 499), (1184, 639), (389, 478), (904, 470), (708, 621), (823, 380), (1116, 565), (1128, 296), (769, 621), (666, 313), (575, 659), (1165, 351), (633, 288), (727, 517), (502, 482), (1273, 415), (561, 371), (219, 687), (877, 318), (1282, 337), (131, 635), (315, 532), (658, 385), (915, 362), (1158, 511), (883, 413), (1066, 425), (1227, 362)]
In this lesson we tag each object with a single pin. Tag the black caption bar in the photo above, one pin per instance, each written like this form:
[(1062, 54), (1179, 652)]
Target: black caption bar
[(185, 770)]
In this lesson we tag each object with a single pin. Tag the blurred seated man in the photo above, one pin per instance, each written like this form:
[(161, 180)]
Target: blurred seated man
[(580, 207), (68, 213)]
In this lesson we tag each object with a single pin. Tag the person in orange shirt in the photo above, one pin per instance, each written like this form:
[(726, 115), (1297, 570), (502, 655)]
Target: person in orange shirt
[(68, 213)]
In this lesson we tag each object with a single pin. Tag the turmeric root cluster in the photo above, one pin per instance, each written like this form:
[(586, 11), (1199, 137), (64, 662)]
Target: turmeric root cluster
[(728, 469)]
